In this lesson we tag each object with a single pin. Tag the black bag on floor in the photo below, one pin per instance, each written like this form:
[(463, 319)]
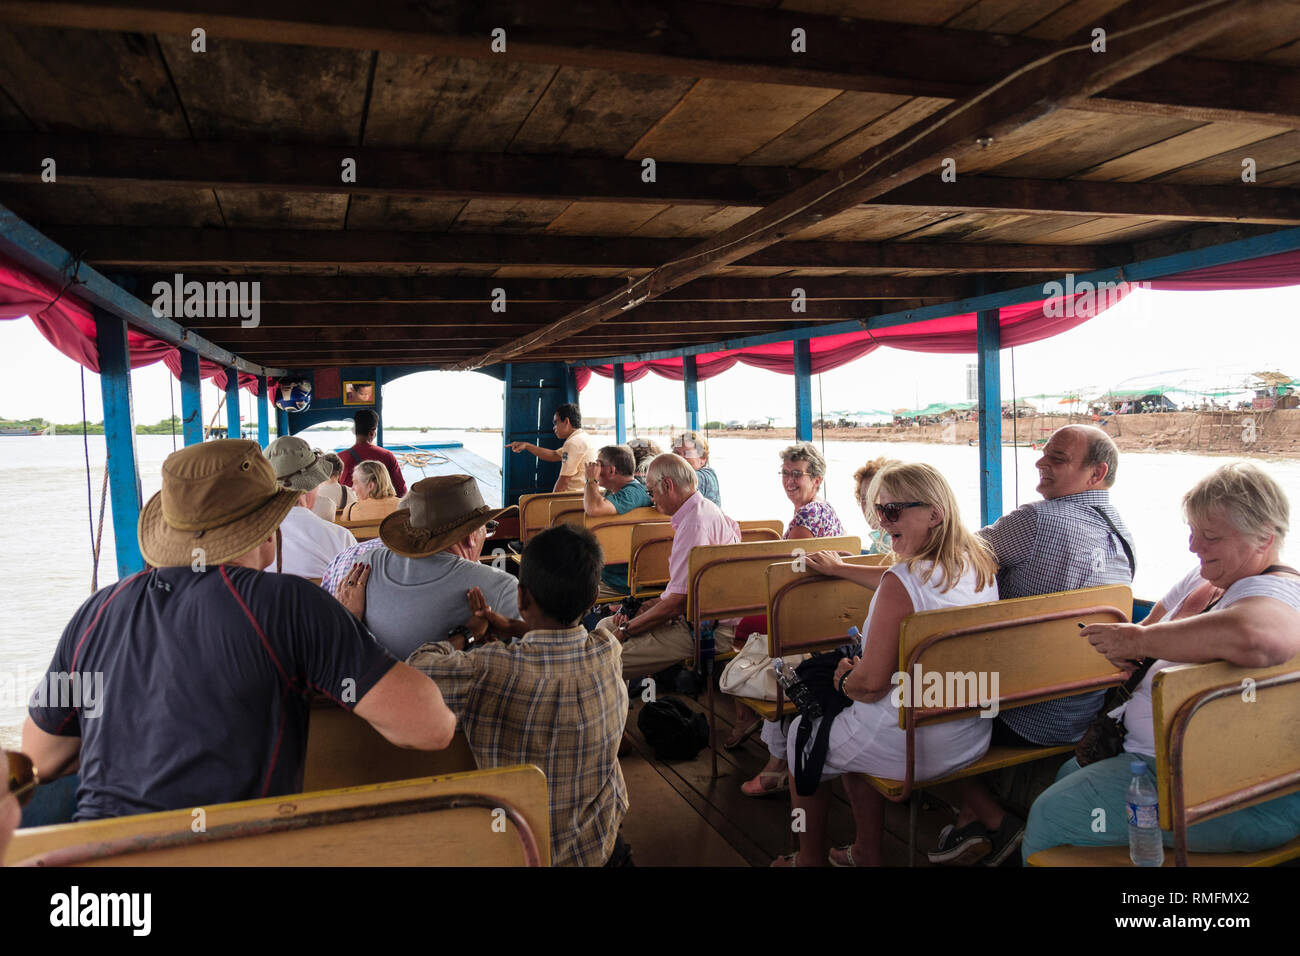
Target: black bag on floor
[(674, 730), (818, 673)]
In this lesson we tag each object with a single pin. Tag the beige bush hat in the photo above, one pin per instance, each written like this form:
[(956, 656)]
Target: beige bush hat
[(219, 496), (439, 512), (297, 465)]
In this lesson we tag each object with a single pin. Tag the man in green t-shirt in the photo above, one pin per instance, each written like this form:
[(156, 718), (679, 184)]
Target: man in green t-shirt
[(613, 470)]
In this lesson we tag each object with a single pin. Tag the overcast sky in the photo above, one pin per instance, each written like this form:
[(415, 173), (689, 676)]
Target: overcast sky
[(1205, 339)]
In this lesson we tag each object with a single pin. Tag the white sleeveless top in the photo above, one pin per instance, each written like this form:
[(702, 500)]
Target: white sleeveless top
[(1139, 721), (866, 737)]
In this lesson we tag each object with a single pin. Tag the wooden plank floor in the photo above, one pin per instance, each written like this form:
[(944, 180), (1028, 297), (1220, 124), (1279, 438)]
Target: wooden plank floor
[(674, 806)]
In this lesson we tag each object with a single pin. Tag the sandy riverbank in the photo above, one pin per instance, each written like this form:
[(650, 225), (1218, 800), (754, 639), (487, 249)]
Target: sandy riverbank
[(1274, 434)]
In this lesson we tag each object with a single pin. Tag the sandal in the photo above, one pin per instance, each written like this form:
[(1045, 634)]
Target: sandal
[(740, 733), (842, 856), (787, 859), (758, 786)]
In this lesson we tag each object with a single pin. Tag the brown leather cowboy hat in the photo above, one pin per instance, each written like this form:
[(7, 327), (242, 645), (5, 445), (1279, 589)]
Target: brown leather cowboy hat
[(219, 500), (439, 512)]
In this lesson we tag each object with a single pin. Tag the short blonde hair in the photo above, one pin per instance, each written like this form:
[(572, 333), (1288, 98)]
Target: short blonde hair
[(1249, 498), (806, 451), (951, 546), (675, 468), (864, 475), (375, 473)]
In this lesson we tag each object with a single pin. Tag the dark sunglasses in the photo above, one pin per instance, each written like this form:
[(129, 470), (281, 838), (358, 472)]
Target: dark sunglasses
[(491, 528), (22, 776), (892, 511)]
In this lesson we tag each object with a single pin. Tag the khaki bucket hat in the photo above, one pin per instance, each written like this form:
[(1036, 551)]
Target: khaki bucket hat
[(297, 465), (439, 512), (219, 496)]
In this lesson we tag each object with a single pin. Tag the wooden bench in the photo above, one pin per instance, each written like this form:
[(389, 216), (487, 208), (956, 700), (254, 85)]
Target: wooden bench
[(567, 511), (728, 580), (1034, 647), (614, 534), (362, 530), (1216, 753), (345, 751), (765, 530), (535, 512), (453, 820), (808, 612), (647, 566)]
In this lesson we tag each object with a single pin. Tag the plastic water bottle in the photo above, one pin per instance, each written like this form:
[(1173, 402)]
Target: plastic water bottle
[(1145, 843), (796, 691), (854, 647)]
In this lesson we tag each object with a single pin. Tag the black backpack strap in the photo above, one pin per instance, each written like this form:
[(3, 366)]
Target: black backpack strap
[(1128, 549)]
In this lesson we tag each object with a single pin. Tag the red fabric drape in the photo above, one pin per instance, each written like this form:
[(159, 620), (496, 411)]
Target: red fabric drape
[(1266, 272), (69, 326)]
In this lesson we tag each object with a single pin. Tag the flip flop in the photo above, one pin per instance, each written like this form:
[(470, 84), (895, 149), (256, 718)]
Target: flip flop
[(786, 859), (842, 856), (782, 785), (739, 734)]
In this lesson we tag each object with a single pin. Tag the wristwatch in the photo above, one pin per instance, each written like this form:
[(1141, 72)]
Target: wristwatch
[(460, 630)]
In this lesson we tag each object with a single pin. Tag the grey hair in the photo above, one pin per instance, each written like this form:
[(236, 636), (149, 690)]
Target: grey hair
[(1101, 450), (676, 469), (1252, 501), (806, 451)]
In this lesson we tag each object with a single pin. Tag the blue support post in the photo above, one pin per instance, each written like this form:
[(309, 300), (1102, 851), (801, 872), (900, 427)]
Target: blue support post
[(988, 344), (119, 439), (620, 415), (232, 404), (803, 390), (281, 422), (191, 398), (379, 405), (263, 423), (691, 384)]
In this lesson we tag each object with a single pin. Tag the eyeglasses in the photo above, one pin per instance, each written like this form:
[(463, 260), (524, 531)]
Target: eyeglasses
[(893, 510), (22, 776), (794, 475)]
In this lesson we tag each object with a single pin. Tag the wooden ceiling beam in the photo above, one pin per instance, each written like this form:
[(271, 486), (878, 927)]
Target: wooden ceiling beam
[(149, 249), (96, 161), (477, 290), (683, 38), (1140, 36)]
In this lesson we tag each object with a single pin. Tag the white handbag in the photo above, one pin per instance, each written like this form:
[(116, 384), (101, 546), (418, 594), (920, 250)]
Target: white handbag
[(750, 674)]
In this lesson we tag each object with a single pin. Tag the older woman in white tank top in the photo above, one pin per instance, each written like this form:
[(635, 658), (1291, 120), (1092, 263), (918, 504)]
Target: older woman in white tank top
[(939, 564), (1241, 605)]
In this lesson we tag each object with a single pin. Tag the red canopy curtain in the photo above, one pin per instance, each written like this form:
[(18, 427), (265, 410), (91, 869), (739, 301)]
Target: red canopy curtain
[(70, 327)]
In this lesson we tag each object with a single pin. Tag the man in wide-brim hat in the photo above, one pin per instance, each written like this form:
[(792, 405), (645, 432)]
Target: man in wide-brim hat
[(192, 676), (308, 542), (425, 561)]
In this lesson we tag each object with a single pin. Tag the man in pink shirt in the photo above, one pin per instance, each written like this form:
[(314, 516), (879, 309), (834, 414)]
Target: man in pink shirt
[(659, 635), (366, 426)]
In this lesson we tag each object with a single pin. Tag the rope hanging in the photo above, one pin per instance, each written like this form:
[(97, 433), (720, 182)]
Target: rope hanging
[(171, 395), (1015, 431), (96, 532)]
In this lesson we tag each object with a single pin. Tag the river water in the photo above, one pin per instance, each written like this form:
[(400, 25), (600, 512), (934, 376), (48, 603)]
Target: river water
[(45, 530)]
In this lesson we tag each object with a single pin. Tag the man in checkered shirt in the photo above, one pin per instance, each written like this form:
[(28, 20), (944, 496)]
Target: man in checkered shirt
[(1073, 538)]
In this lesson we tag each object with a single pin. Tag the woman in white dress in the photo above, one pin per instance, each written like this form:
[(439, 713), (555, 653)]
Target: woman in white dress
[(938, 564)]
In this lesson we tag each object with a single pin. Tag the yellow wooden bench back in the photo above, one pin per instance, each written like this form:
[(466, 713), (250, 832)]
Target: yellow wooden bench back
[(1032, 644), (728, 580), (567, 511), (1226, 737), (614, 532), (768, 529), (404, 823), (647, 568), (345, 751), (362, 530), (535, 511), (807, 612)]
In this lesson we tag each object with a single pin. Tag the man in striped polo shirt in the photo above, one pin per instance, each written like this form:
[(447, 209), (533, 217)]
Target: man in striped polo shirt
[(1073, 538)]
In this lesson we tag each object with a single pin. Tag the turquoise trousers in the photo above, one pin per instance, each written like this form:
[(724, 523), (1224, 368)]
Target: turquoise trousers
[(1085, 807)]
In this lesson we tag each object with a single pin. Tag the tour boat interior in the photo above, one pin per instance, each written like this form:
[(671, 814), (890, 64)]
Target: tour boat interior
[(551, 190)]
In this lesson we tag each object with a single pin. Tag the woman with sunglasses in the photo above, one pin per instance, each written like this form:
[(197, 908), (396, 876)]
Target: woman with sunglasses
[(938, 564)]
